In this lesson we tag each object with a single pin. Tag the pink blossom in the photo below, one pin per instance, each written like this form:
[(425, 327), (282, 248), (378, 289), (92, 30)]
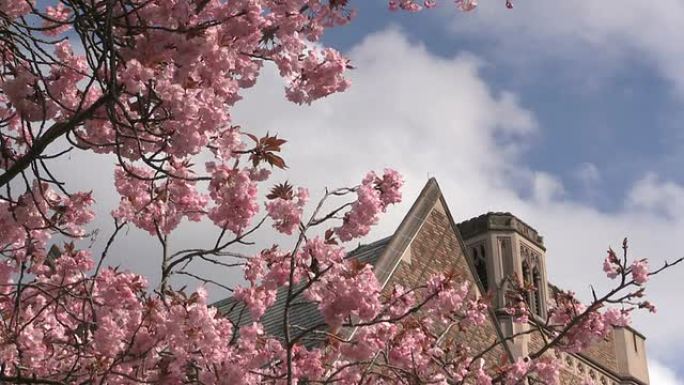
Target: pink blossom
[(519, 311), (593, 326), (617, 317), (374, 195), (481, 377), (369, 340), (517, 371), (611, 269), (58, 23), (639, 271), (76, 211), (308, 363), (227, 145), (547, 369), (158, 205), (259, 175), (610, 265), (466, 5), (449, 298), (180, 68), (258, 299), (14, 9), (272, 268), (135, 77), (326, 255), (320, 75), (234, 195), (476, 312), (346, 291), (21, 92), (406, 5), (401, 301), (287, 213)]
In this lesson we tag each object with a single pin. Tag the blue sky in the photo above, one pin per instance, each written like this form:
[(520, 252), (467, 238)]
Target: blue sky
[(619, 114)]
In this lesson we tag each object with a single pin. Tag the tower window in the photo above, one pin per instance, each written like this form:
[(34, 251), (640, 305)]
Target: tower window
[(527, 279), (480, 263), (538, 302), (533, 280)]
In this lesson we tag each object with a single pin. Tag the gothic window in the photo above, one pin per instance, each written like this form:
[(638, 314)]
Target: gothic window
[(533, 279), (537, 281), (526, 282), (480, 262)]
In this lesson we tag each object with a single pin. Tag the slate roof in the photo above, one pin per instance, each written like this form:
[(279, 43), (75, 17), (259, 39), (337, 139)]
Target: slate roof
[(383, 254), (303, 314)]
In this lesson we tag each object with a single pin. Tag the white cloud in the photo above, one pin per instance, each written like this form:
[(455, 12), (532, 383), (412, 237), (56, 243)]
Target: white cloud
[(654, 195), (659, 374), (588, 174), (546, 187), (588, 178), (645, 31)]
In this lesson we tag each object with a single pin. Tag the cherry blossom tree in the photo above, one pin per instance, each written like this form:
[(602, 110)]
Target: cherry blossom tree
[(152, 82)]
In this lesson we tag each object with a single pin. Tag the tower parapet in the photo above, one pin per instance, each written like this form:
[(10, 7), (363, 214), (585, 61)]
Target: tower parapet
[(630, 349), (500, 221)]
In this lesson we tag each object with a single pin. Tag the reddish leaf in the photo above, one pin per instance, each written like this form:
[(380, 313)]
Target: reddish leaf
[(254, 138), (330, 237), (282, 190)]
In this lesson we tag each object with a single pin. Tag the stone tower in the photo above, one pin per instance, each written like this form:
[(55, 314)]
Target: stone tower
[(502, 247)]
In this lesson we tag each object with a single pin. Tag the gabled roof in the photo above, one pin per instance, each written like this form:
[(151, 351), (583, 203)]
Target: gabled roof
[(303, 314), (384, 255)]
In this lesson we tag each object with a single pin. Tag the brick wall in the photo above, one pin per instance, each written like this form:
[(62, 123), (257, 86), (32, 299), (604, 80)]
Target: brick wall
[(604, 353), (435, 249)]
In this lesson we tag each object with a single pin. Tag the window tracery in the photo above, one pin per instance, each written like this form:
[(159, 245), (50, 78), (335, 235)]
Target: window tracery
[(532, 278), (480, 262)]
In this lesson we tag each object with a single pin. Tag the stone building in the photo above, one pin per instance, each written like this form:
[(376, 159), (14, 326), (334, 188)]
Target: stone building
[(482, 250)]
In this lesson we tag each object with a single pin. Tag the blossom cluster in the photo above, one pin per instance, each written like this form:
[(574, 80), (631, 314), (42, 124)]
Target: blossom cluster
[(373, 196), (27, 224), (56, 333), (416, 6), (234, 194), (286, 211), (593, 325), (158, 205)]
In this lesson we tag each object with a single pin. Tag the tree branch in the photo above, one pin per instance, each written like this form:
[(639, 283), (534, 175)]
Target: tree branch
[(53, 133)]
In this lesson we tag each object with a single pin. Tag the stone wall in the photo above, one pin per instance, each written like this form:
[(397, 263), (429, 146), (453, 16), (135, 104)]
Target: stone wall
[(436, 249)]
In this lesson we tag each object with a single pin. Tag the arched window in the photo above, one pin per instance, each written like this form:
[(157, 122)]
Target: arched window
[(538, 292), (480, 263), (526, 282)]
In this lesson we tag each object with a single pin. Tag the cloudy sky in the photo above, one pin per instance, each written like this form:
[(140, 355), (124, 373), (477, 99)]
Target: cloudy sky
[(566, 113)]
